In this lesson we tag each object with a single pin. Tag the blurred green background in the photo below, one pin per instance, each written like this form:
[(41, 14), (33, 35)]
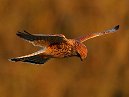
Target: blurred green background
[(105, 71)]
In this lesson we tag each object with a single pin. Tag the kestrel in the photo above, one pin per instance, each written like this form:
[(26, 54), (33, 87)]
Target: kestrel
[(56, 46)]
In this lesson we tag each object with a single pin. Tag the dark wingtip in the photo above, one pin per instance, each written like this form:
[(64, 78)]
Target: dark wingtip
[(21, 33), (18, 33), (116, 27), (13, 59), (26, 32), (25, 35)]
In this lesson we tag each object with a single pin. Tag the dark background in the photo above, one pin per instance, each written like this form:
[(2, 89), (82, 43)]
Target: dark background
[(105, 71)]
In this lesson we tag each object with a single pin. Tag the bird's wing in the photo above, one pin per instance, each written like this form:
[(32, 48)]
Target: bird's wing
[(41, 39), (34, 58), (92, 35)]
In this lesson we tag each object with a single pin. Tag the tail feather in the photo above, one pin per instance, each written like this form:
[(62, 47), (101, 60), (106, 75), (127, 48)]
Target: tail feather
[(31, 59)]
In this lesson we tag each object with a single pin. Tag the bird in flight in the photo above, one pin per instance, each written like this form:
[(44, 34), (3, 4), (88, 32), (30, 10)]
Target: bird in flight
[(56, 46)]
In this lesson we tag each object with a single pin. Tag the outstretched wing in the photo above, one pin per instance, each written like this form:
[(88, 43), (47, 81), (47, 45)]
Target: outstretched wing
[(92, 35), (41, 39), (34, 58)]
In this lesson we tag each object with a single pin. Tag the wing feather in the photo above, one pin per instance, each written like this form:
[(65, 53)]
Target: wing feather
[(92, 35), (34, 58), (42, 39)]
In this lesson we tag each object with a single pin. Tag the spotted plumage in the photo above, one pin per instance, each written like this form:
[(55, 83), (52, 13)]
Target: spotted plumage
[(56, 46)]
